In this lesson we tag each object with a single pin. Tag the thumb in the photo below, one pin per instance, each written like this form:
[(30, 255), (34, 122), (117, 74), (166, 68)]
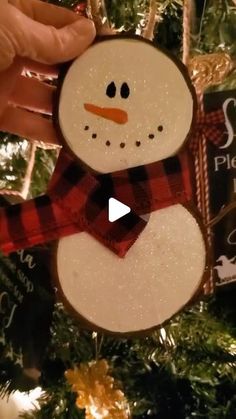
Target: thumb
[(49, 45)]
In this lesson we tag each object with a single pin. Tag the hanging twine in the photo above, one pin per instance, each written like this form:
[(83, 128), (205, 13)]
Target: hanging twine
[(186, 31), (201, 163), (29, 172), (148, 32), (93, 6), (97, 12)]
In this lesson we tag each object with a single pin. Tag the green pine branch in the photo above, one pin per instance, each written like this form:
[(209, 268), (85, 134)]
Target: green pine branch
[(188, 368)]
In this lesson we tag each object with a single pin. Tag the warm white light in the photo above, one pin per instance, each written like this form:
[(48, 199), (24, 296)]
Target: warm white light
[(232, 349), (27, 401), (11, 407), (96, 415), (163, 334)]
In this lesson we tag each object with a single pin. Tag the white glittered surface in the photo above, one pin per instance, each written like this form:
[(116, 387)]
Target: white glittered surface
[(164, 268), (158, 276), (159, 105)]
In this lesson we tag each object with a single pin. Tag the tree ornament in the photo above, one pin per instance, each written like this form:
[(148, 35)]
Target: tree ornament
[(97, 392), (215, 163), (27, 298), (127, 139), (158, 116), (213, 123), (209, 70)]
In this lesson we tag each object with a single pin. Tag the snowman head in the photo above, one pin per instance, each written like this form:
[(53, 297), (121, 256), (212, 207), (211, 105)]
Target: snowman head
[(125, 103)]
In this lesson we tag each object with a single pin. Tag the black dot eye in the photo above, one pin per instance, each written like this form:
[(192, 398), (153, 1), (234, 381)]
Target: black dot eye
[(160, 128), (111, 90), (124, 91)]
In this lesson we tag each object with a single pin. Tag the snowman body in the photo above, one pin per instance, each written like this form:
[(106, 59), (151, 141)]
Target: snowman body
[(123, 104)]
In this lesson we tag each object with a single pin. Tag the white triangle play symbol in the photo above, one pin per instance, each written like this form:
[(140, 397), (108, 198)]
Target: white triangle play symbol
[(116, 210)]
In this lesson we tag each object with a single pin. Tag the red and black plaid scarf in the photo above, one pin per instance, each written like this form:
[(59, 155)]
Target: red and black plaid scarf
[(211, 125), (78, 201)]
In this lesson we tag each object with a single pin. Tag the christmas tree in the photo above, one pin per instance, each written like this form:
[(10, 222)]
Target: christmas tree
[(185, 369)]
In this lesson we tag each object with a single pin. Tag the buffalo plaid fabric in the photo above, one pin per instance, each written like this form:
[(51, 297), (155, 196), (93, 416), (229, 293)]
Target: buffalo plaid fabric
[(211, 125), (78, 201)]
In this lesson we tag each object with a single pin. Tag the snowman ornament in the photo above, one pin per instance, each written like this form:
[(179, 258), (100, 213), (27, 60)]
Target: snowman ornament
[(125, 103)]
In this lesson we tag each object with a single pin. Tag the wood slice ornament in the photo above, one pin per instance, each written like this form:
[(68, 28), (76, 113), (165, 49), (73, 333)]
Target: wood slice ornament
[(125, 103)]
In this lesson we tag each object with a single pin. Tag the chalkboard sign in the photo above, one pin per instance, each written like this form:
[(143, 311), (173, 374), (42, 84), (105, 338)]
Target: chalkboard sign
[(222, 190), (26, 302)]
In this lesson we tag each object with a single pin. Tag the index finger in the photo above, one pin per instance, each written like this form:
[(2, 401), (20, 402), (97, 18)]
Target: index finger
[(45, 43), (46, 13)]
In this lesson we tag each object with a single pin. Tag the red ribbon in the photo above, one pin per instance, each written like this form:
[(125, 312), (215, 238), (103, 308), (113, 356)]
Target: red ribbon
[(78, 201), (211, 125)]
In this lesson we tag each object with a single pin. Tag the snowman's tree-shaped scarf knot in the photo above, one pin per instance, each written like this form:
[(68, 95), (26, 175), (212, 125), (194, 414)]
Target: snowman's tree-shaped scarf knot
[(78, 201), (211, 125)]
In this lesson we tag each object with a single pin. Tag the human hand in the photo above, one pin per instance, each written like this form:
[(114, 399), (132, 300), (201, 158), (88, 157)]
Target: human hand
[(24, 88), (41, 31), (47, 34)]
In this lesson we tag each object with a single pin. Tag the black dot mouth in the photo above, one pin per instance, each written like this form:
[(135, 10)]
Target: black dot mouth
[(151, 136)]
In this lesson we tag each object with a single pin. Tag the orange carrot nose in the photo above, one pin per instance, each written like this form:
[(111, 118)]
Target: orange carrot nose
[(113, 114)]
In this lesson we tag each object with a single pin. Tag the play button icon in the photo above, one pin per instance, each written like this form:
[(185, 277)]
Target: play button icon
[(116, 210)]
